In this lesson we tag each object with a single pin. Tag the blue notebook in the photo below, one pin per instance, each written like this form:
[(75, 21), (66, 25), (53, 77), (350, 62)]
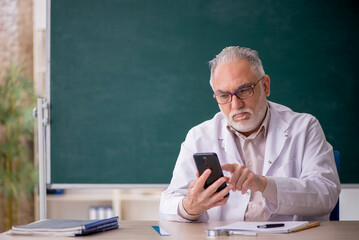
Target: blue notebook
[(65, 227)]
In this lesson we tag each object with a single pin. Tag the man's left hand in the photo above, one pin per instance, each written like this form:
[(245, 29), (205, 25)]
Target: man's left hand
[(244, 179)]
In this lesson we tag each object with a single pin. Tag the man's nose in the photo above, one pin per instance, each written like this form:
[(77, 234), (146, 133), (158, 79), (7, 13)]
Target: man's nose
[(236, 102)]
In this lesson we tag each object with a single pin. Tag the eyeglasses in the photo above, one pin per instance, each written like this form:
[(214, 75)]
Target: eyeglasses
[(242, 93)]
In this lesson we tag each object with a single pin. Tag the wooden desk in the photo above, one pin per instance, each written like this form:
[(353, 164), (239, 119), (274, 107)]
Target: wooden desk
[(129, 230)]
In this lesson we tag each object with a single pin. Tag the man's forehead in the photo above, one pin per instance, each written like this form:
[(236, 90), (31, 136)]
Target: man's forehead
[(234, 75)]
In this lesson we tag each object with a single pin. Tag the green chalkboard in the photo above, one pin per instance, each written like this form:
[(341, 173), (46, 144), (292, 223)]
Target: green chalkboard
[(128, 78)]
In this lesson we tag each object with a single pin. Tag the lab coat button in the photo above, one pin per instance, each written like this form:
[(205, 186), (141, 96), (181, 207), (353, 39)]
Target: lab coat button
[(269, 162)]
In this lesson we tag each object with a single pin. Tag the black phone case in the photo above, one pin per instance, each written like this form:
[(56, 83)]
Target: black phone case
[(209, 160)]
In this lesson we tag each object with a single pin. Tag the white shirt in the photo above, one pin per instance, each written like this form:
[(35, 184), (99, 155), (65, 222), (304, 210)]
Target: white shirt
[(297, 157), (252, 150)]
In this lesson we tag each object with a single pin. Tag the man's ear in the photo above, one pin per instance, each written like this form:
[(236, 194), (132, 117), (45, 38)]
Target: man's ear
[(266, 85)]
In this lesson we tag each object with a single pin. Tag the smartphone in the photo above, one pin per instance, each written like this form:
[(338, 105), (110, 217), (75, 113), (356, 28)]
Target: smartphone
[(209, 160)]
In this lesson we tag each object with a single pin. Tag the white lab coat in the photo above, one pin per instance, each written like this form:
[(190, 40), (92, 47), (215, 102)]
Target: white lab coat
[(297, 156)]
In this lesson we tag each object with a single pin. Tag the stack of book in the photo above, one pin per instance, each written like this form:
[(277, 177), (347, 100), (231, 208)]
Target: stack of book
[(64, 227)]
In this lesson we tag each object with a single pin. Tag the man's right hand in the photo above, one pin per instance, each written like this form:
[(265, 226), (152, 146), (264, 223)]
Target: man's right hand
[(199, 199)]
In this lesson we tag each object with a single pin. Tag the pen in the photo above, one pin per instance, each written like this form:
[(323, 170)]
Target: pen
[(273, 225)]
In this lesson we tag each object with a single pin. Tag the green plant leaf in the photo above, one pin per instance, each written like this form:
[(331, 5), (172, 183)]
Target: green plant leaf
[(17, 170)]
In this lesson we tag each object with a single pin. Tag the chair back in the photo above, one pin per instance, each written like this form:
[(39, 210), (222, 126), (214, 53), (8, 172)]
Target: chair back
[(334, 215)]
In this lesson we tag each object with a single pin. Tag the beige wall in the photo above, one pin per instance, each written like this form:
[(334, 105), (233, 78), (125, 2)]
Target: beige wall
[(16, 35), (8, 34)]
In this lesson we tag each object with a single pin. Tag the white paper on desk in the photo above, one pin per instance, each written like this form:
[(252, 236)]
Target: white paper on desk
[(253, 226)]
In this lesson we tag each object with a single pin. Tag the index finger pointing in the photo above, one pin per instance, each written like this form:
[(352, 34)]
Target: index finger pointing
[(228, 167)]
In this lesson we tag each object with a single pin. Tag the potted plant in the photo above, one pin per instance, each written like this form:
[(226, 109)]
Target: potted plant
[(17, 171)]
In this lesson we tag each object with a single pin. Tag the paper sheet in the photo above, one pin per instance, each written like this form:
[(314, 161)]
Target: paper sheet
[(253, 226)]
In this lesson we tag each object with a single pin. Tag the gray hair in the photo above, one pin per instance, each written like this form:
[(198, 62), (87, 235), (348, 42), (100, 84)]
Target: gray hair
[(236, 53)]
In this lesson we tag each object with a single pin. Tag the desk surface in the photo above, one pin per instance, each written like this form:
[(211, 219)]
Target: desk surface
[(345, 230)]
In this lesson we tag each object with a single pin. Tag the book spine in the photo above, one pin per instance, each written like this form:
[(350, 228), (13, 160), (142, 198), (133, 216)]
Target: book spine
[(106, 227), (100, 222)]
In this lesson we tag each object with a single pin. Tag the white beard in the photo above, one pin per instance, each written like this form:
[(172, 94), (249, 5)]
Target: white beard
[(246, 125)]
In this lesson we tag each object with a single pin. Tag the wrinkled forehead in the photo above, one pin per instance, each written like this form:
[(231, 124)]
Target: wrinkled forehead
[(232, 75), (241, 65)]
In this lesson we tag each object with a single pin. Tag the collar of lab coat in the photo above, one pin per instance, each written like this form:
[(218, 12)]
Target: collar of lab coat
[(276, 136)]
